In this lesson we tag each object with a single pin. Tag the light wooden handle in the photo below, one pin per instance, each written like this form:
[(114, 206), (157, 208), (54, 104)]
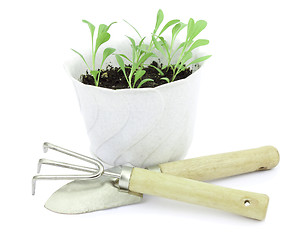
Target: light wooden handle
[(248, 204), (223, 165)]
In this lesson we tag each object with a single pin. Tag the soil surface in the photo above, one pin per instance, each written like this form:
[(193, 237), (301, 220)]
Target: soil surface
[(113, 77)]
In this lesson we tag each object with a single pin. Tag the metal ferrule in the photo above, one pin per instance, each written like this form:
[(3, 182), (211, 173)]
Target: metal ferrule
[(125, 178)]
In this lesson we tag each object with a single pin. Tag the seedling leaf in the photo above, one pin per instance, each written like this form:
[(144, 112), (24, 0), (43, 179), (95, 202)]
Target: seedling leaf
[(201, 59), (187, 56), (190, 27), (124, 56), (133, 42), (91, 27), (141, 42), (138, 75), (198, 27), (110, 25), (107, 52), (160, 17), (181, 45), (167, 25), (158, 46), (198, 43), (133, 28), (101, 38), (163, 42), (134, 48), (158, 69), (142, 49), (81, 57), (153, 55), (146, 46), (143, 59), (102, 28), (144, 81), (166, 79), (175, 29), (121, 64)]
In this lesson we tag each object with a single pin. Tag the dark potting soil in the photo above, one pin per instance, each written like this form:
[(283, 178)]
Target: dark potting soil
[(113, 77)]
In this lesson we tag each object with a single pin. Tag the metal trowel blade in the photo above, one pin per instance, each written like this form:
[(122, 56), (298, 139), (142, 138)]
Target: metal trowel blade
[(83, 196)]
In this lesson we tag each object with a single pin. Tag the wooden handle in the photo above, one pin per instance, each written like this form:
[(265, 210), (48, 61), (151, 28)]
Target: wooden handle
[(248, 204), (223, 165)]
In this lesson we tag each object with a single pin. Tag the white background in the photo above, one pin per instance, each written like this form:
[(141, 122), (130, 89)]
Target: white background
[(252, 94)]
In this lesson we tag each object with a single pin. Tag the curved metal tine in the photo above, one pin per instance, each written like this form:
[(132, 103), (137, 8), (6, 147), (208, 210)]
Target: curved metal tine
[(44, 161), (97, 163), (62, 177), (97, 173)]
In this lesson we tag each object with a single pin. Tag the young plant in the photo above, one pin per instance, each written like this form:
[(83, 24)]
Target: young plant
[(166, 49), (159, 20), (142, 51), (139, 56), (148, 48), (102, 37)]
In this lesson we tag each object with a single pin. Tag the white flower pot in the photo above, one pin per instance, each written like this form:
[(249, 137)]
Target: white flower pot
[(137, 127)]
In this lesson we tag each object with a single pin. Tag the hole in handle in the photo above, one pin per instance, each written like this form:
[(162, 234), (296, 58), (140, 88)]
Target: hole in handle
[(262, 168), (247, 203)]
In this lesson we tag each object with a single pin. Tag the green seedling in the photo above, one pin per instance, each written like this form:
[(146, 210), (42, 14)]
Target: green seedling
[(186, 47), (159, 20), (102, 37), (157, 69), (148, 48), (141, 52), (139, 56)]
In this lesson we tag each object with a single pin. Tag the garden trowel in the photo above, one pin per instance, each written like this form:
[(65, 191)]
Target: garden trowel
[(124, 185)]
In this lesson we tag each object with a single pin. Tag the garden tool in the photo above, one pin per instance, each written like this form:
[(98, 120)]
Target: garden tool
[(122, 185)]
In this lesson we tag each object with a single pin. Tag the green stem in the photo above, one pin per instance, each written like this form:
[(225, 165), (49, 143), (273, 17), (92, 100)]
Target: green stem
[(181, 54), (130, 78), (98, 76), (151, 42), (174, 53), (150, 46), (171, 47), (175, 75), (93, 56), (96, 80)]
